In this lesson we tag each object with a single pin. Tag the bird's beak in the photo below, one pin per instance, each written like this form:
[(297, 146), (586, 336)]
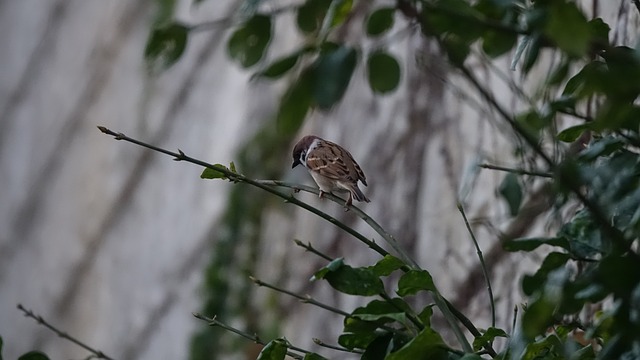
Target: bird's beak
[(296, 162)]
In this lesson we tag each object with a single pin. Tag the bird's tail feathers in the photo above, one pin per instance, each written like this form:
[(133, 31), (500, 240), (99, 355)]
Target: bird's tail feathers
[(358, 195)]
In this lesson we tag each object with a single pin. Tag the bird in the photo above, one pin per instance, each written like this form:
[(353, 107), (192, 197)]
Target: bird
[(331, 166)]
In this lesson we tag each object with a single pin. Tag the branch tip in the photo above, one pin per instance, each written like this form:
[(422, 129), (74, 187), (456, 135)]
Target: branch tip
[(103, 129)]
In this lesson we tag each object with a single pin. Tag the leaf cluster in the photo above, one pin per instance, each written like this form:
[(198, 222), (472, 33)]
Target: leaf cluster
[(594, 254)]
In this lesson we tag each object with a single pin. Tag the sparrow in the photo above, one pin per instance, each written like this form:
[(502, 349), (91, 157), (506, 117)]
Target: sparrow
[(331, 167)]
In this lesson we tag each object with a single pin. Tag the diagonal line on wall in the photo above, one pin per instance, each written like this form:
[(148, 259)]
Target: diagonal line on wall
[(81, 269), (28, 212), (36, 63)]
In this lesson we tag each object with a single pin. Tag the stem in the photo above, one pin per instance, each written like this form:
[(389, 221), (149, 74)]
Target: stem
[(517, 171), (233, 176), (309, 300), (255, 338), (388, 238), (333, 347), (468, 324), (410, 315), (482, 264), (445, 307), (305, 299), (311, 249), (97, 353), (328, 19)]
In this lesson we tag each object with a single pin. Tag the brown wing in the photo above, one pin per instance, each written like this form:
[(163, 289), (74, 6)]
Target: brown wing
[(334, 162)]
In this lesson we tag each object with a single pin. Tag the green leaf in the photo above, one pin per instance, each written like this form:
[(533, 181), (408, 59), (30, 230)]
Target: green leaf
[(568, 27), (274, 350), (34, 355), (535, 282), (583, 235), (355, 281), (356, 340), (559, 74), (311, 14), (537, 318), (438, 20), (348, 280), (383, 311), (425, 314), (599, 30), (426, 345), (165, 46), (280, 67), (383, 72), (603, 147), (457, 49), (295, 104), (1, 343), (570, 134), (496, 43), (313, 356), (248, 43), (355, 325), (512, 192), (341, 12), (621, 275), (380, 21), (378, 348), (209, 173), (547, 348), (488, 337), (332, 266), (332, 73), (164, 12), (531, 244), (414, 281), (533, 121), (533, 43), (387, 265), (589, 80)]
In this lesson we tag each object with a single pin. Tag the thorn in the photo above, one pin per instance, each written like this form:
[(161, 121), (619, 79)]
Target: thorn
[(119, 136), (296, 190), (317, 341), (180, 156), (103, 129)]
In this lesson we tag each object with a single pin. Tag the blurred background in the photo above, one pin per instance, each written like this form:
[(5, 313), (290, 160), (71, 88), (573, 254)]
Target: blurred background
[(118, 245)]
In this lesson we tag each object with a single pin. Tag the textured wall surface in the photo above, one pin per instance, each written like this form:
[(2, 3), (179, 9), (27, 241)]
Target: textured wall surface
[(108, 241)]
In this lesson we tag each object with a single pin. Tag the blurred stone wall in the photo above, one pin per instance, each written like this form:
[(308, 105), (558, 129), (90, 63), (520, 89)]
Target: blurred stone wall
[(108, 241)]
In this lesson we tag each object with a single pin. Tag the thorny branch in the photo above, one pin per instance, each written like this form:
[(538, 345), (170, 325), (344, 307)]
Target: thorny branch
[(96, 353)]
